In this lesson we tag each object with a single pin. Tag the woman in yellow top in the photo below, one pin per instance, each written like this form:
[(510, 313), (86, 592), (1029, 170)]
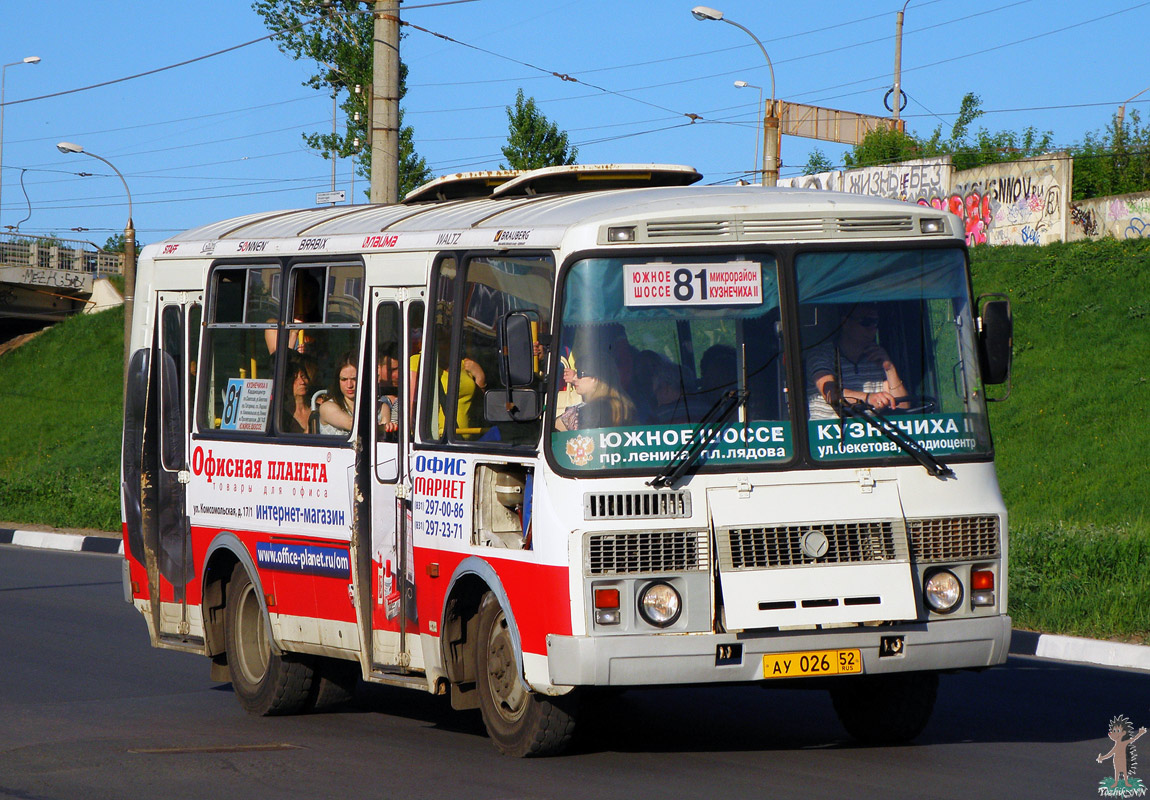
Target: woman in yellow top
[(472, 381)]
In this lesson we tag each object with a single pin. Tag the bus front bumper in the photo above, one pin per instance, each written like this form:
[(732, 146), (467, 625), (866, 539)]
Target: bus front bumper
[(688, 658)]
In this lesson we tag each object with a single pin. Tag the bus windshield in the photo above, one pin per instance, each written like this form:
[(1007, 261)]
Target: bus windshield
[(650, 347), (889, 332), (660, 353)]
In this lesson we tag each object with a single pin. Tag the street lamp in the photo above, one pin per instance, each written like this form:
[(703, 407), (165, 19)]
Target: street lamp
[(770, 120), (129, 252), (758, 108), (3, 72)]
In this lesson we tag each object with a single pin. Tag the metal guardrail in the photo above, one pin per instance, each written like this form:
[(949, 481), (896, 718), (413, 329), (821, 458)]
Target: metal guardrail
[(41, 252)]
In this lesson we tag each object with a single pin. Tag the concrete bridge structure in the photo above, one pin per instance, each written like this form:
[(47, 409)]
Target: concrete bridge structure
[(44, 279)]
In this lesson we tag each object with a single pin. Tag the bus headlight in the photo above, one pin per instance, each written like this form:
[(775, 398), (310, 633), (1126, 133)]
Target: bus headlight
[(943, 591), (660, 604)]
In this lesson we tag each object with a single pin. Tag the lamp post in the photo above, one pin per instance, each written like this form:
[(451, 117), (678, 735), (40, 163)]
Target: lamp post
[(770, 120), (129, 252), (758, 108), (3, 74)]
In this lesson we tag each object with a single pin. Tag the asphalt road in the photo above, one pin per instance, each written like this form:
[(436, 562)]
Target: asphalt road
[(88, 709)]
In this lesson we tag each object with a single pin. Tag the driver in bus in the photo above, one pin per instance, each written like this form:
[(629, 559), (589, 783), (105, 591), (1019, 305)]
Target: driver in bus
[(854, 358)]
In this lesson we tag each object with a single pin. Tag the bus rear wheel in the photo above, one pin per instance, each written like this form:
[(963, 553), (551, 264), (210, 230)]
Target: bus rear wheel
[(519, 721), (265, 683), (885, 709)]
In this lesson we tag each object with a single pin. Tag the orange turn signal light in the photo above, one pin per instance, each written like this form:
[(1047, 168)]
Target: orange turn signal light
[(606, 598), (982, 579)]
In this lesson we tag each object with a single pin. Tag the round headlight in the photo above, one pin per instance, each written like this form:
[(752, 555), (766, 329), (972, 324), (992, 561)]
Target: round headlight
[(660, 604), (943, 591)]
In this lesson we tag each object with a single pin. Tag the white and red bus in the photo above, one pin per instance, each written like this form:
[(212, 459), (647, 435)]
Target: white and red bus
[(525, 435)]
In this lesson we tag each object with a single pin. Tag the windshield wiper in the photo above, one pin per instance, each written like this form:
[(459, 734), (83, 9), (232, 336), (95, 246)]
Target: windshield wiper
[(713, 422), (860, 410)]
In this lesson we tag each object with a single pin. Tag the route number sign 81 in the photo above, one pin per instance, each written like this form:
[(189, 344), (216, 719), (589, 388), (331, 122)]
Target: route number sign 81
[(664, 284)]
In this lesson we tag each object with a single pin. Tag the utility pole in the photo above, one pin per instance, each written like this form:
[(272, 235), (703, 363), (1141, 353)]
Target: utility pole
[(772, 136), (385, 104), (897, 90)]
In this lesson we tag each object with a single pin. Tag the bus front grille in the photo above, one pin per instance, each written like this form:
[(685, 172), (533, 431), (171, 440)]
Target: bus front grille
[(866, 542), (647, 551), (637, 505), (954, 538)]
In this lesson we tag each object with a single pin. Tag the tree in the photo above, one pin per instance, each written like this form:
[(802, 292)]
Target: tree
[(882, 146), (817, 162), (338, 35), (115, 244), (885, 146), (1113, 161), (533, 141)]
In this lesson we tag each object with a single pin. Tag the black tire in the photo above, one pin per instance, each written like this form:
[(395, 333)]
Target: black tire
[(885, 709), (519, 721), (265, 683), (334, 684)]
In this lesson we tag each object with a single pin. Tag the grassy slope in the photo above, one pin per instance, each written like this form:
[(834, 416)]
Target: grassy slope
[(60, 396), (1071, 440)]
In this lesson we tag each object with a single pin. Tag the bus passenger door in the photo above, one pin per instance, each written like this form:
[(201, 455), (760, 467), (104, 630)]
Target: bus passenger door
[(397, 319), (168, 429)]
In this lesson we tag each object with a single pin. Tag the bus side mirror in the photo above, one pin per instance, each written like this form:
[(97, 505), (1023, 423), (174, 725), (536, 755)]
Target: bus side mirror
[(519, 401), (995, 339), (517, 350), (511, 405)]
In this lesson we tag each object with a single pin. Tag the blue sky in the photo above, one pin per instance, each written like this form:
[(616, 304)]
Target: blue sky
[(221, 136)]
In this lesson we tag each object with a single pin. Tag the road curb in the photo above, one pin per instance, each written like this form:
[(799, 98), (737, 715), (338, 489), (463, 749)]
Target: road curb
[(51, 540), (1077, 650), (1022, 643)]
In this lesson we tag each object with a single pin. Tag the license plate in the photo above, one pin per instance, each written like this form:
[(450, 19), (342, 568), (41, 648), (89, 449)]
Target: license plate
[(812, 663)]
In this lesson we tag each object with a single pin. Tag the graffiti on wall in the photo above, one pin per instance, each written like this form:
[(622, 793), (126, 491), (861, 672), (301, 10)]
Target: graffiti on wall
[(1084, 219), (1120, 217), (826, 181), (1023, 202), (973, 208), (909, 181)]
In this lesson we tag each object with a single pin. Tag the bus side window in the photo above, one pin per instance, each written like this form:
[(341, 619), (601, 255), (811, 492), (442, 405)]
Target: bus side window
[(321, 350), (494, 287), (236, 391)]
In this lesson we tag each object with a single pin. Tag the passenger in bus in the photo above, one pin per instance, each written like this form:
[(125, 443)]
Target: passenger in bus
[(596, 380), (626, 358), (853, 366), (668, 403), (718, 373), (472, 382), (297, 408), (335, 415), (306, 309), (387, 388)]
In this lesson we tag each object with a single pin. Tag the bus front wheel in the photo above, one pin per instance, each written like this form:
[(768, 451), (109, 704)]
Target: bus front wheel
[(885, 709), (265, 683), (519, 721)]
